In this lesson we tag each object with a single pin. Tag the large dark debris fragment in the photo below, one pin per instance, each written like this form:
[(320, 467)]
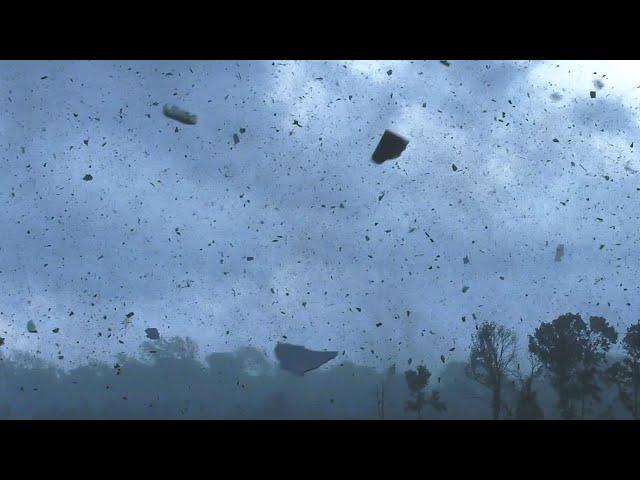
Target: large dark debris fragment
[(300, 360), (391, 146), (176, 113), (152, 333), (559, 252)]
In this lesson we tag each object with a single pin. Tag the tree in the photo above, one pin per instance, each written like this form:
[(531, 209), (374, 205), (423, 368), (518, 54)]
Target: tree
[(626, 372), (417, 381), (380, 389), (493, 351), (574, 354), (527, 407)]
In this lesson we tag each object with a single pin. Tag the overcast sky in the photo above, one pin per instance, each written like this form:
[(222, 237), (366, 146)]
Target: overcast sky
[(168, 225)]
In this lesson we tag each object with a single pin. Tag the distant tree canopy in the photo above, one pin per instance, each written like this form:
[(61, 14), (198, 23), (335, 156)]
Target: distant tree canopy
[(417, 381), (573, 353), (493, 352)]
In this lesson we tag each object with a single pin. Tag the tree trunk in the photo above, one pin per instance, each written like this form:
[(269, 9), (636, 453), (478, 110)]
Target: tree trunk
[(496, 403), (381, 401), (636, 391)]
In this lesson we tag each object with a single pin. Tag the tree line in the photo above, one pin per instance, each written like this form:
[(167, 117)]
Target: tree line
[(570, 369), (573, 355)]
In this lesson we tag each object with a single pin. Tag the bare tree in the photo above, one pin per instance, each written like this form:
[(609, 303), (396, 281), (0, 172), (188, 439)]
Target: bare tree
[(380, 389), (527, 407), (493, 351)]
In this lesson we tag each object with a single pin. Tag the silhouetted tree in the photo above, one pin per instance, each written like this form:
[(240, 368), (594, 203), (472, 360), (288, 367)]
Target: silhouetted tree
[(391, 371), (527, 407), (493, 351), (574, 354), (417, 381), (626, 372)]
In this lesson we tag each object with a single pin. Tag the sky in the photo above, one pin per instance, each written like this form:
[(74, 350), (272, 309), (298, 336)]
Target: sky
[(293, 234)]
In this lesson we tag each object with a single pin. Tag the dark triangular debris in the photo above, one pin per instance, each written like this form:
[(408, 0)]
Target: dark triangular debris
[(152, 333), (299, 360), (391, 146)]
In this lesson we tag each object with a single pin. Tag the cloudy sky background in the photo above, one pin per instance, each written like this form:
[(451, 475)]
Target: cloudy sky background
[(165, 227)]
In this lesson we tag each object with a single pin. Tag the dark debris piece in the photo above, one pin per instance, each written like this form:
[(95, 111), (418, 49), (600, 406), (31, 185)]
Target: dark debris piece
[(446, 63), (31, 327), (88, 177), (592, 93), (176, 113), (152, 333), (391, 146), (559, 252), (300, 360), (236, 139), (1, 341)]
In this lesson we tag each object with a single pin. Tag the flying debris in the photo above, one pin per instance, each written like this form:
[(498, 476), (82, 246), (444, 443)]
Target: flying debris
[(592, 93), (391, 146), (559, 252), (629, 169), (299, 360), (176, 113), (152, 333), (31, 327)]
